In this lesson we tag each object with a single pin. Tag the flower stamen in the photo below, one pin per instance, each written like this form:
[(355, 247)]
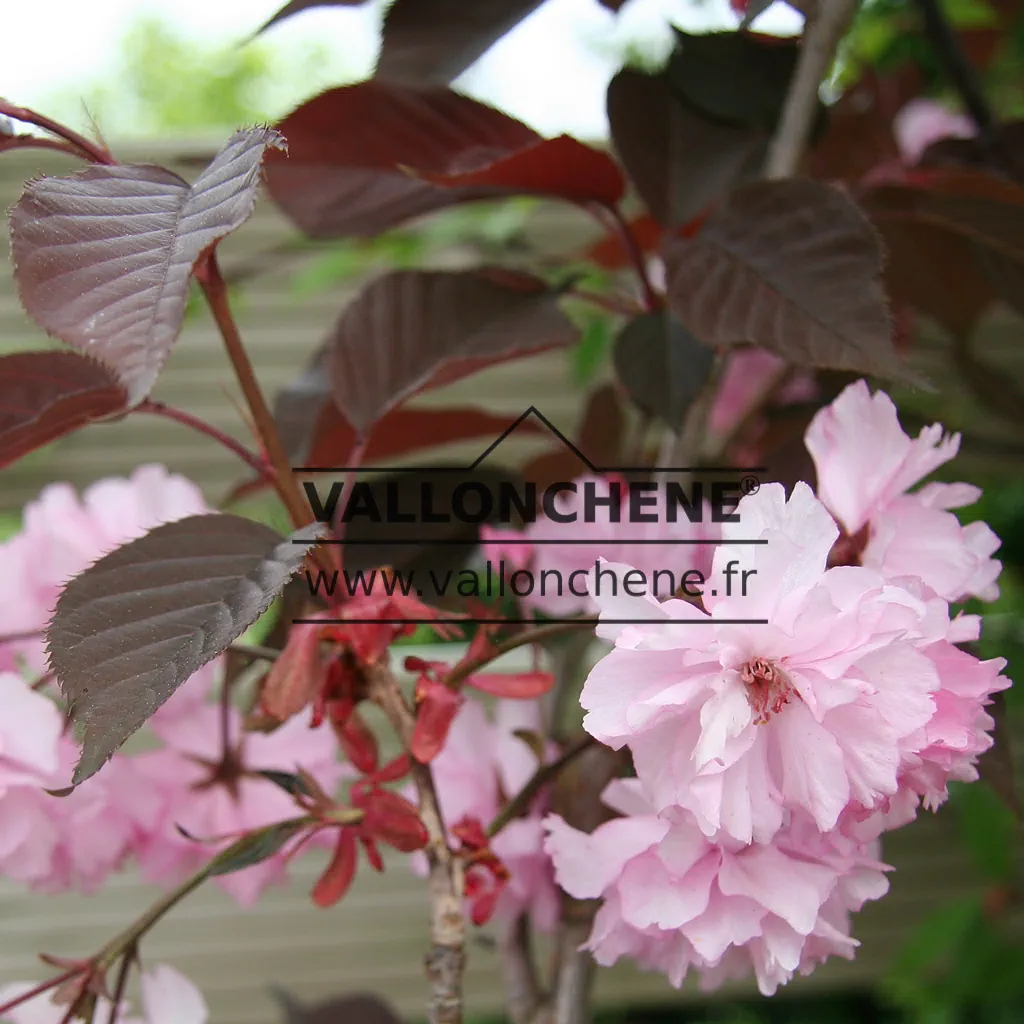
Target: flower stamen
[(768, 688)]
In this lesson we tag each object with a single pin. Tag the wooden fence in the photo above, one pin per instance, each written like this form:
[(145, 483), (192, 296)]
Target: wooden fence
[(375, 939)]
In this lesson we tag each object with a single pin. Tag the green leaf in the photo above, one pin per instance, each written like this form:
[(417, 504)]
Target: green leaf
[(988, 829), (256, 847), (592, 349)]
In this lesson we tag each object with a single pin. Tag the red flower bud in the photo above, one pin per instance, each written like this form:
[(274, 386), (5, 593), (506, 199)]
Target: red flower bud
[(296, 677), (336, 879), (483, 889), (393, 820), (372, 853), (354, 735), (517, 686), (436, 710), (470, 833)]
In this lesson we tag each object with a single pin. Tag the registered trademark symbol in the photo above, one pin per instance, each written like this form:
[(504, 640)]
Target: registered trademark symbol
[(750, 485)]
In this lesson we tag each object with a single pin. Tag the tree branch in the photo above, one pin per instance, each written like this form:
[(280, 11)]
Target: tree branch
[(958, 68), (822, 32), (446, 959), (520, 803), (575, 971), (521, 985)]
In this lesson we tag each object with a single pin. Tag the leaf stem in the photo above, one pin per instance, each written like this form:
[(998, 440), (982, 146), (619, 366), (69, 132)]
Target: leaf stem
[(121, 985), (43, 986), (91, 151), (612, 215), (137, 929), (251, 459), (215, 290), (520, 803), (468, 666)]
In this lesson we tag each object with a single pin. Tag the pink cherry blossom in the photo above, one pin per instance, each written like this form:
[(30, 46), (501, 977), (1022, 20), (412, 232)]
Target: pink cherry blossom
[(923, 121), (168, 997), (806, 693), (749, 373), (564, 552), (960, 730), (63, 534), (57, 843), (191, 786), (482, 762), (674, 900), (866, 465)]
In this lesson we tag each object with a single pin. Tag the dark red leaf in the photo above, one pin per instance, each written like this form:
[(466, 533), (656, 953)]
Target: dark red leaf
[(413, 329), (436, 40), (981, 217), (791, 266), (562, 167), (337, 877), (662, 366), (513, 685), (678, 157), (298, 6), (135, 625), (45, 395), (316, 434), (858, 134), (602, 431), (738, 78), (103, 258), (348, 148)]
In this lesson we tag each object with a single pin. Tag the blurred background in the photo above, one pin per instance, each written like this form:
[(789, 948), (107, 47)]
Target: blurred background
[(164, 83)]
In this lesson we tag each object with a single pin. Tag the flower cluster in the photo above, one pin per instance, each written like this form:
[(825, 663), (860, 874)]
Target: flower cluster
[(814, 695), (200, 771), (781, 725)]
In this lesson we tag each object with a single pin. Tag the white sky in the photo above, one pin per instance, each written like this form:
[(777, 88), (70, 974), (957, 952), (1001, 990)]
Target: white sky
[(545, 72)]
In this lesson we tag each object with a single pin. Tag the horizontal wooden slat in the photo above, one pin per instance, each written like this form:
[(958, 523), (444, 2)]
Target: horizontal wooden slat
[(376, 938)]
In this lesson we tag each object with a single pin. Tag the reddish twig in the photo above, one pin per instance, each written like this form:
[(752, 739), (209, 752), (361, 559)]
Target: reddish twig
[(251, 459), (611, 216), (215, 290), (464, 669), (86, 148), (43, 986)]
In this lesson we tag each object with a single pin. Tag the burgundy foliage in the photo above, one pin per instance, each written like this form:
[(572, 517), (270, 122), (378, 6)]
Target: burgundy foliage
[(45, 395)]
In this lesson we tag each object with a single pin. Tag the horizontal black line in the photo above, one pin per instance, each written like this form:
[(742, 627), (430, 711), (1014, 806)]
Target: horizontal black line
[(524, 622), (445, 542), (471, 469)]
